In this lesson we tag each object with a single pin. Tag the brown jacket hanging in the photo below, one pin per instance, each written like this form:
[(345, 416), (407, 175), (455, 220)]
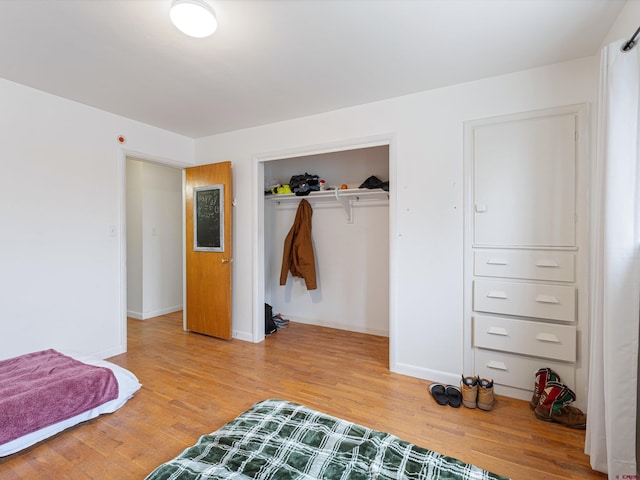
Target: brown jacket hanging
[(298, 257)]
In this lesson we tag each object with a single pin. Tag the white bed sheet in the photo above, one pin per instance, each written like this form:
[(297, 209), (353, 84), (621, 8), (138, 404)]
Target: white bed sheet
[(128, 384)]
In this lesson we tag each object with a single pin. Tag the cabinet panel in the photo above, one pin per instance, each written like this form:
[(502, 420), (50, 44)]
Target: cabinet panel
[(530, 338), (524, 182), (528, 265), (517, 371), (554, 302)]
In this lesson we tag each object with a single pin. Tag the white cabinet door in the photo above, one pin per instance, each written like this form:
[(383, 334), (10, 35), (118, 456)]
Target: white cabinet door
[(524, 175)]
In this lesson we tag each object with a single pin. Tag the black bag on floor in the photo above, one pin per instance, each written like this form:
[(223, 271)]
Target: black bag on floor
[(269, 324)]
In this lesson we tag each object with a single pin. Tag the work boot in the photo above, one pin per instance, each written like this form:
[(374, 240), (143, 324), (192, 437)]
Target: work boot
[(469, 387), (553, 406), (543, 376), (486, 397)]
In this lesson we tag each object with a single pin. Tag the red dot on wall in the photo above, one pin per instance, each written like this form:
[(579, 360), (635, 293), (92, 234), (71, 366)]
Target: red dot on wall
[(121, 139)]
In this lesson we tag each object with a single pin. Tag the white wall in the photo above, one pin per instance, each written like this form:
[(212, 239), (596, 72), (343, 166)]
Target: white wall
[(428, 268), (61, 192), (626, 24), (134, 238), (154, 239)]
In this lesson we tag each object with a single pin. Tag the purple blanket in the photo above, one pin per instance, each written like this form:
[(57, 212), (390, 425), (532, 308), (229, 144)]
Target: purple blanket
[(43, 388)]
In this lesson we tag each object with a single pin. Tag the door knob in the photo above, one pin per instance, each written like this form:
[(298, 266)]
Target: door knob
[(226, 260)]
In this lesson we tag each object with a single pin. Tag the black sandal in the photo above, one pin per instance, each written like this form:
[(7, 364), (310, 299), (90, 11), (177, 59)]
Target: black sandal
[(439, 393), (454, 395)]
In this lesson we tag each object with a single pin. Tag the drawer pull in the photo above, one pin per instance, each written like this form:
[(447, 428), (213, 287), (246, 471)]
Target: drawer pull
[(498, 331), (547, 263), (497, 294), (547, 299), (497, 365), (497, 261), (547, 337)]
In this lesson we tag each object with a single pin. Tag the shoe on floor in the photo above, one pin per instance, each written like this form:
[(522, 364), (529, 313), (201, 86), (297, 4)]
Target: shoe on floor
[(542, 376), (439, 393), (454, 396), (553, 406), (469, 387), (486, 397)]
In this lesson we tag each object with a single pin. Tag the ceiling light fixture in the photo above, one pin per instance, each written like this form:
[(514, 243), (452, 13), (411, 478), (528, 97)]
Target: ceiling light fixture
[(193, 17)]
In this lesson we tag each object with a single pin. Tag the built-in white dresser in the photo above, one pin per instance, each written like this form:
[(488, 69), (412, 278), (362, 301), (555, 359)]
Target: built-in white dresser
[(525, 249)]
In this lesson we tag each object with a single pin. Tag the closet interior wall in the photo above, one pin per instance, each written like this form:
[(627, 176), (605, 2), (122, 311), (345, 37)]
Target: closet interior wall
[(352, 259)]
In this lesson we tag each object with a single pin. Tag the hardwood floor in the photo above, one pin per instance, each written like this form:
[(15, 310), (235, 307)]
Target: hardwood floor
[(193, 384)]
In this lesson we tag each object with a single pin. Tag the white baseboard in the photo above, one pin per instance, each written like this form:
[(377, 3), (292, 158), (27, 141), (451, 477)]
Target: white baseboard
[(446, 378), (340, 326), (244, 336), (153, 313)]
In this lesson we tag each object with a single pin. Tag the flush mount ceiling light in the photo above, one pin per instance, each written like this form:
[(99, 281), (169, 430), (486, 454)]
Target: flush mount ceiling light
[(193, 17)]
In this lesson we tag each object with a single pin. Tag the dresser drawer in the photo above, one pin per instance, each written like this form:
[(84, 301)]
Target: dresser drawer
[(555, 302), (556, 342), (528, 265), (516, 371)]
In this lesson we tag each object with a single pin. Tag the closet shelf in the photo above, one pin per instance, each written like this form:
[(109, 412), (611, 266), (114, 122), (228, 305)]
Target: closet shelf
[(346, 198)]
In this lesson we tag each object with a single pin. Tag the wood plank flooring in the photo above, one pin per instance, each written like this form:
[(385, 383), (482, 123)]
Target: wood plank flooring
[(193, 384)]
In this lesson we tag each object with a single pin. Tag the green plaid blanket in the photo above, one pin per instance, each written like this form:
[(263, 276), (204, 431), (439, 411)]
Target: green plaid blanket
[(276, 439)]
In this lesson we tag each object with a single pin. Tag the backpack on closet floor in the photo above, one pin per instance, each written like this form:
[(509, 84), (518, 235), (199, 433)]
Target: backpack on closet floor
[(269, 324)]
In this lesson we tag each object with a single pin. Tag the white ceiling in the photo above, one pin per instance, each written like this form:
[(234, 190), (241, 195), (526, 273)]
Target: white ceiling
[(273, 60)]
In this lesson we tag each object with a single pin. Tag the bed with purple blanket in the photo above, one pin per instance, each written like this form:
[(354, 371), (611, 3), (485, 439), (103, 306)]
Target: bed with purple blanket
[(43, 393)]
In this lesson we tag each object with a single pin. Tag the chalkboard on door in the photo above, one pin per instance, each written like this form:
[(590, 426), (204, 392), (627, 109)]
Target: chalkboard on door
[(208, 218)]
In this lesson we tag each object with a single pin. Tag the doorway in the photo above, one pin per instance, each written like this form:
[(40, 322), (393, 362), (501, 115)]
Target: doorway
[(154, 258)]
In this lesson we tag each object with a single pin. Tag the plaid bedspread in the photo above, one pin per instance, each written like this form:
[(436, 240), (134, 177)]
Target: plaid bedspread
[(276, 439)]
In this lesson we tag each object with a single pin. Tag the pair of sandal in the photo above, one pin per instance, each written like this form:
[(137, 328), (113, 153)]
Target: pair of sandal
[(446, 394)]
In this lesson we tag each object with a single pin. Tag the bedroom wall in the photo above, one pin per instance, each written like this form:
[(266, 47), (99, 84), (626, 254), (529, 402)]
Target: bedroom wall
[(134, 238), (626, 24), (427, 214), (62, 217)]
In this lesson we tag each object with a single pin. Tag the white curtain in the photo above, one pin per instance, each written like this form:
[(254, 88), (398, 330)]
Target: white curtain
[(615, 269)]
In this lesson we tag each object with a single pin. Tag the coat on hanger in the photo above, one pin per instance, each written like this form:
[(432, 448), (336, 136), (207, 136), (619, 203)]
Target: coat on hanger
[(298, 256)]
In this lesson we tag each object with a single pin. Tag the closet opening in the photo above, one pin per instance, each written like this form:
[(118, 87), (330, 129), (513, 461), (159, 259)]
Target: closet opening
[(352, 239)]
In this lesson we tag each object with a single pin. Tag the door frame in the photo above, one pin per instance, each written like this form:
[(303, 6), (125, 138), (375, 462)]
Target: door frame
[(389, 139), (123, 153)]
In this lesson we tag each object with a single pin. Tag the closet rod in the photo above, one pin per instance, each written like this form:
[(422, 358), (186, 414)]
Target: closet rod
[(631, 43)]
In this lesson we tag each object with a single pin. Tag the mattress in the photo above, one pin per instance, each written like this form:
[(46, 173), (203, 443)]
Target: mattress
[(127, 382)]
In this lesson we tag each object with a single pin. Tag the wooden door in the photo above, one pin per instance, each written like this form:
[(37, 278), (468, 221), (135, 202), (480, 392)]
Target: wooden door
[(208, 249)]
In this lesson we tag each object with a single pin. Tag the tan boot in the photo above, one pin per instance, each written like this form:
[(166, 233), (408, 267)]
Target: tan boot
[(469, 388), (486, 397)]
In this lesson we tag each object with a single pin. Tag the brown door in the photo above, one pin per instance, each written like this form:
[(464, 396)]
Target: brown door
[(208, 249)]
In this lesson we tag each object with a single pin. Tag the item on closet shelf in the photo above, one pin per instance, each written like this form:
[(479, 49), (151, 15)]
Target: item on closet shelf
[(469, 386), (446, 395), (553, 406), (304, 184), (344, 186), (375, 182), (323, 185), (542, 376), (486, 397), (298, 256)]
